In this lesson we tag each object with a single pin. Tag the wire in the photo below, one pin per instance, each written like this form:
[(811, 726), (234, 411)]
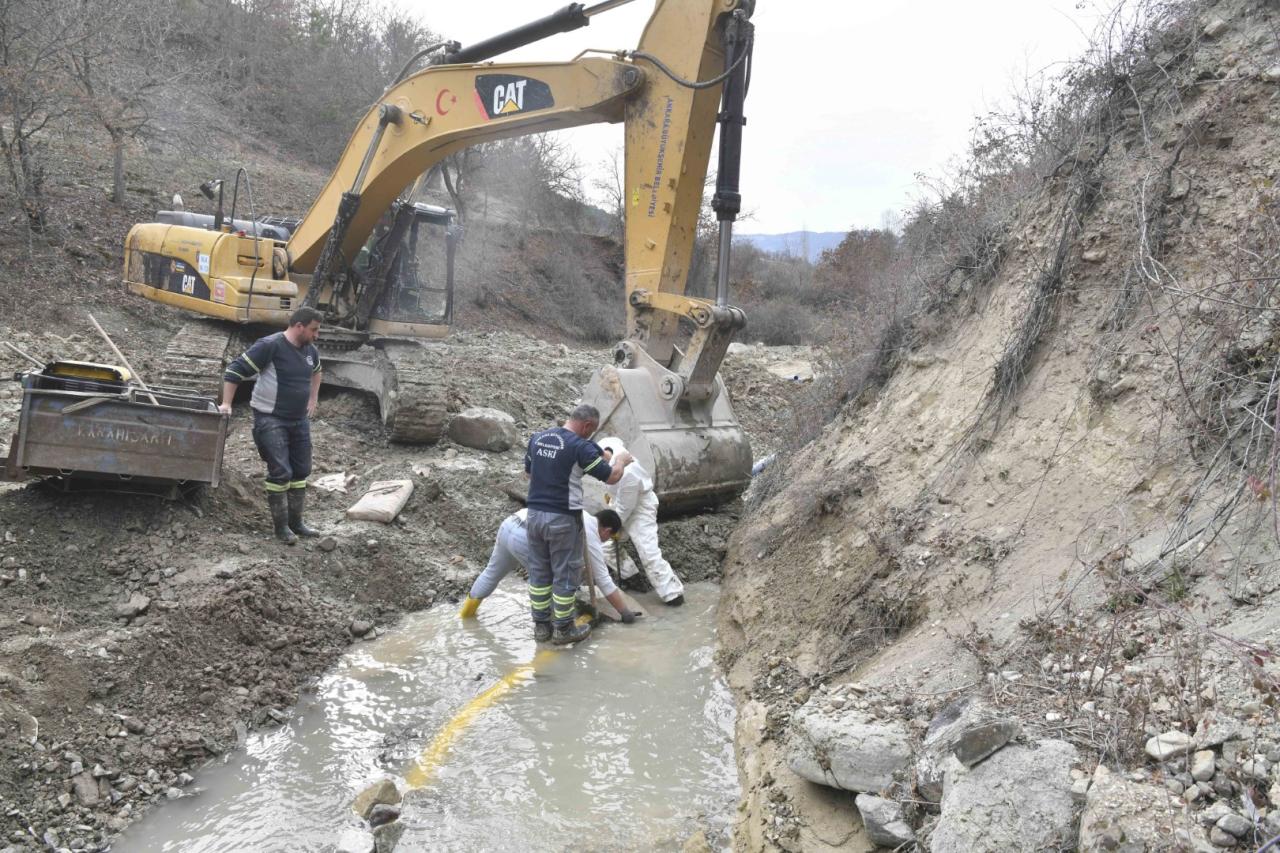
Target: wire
[(414, 60), (696, 84)]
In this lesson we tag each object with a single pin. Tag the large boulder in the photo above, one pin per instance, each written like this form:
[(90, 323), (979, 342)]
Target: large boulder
[(1131, 816), (1018, 799), (484, 429), (847, 749), (968, 729)]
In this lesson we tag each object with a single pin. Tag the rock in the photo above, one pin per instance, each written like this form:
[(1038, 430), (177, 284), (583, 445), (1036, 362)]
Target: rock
[(1018, 799), (1094, 256), (793, 371), (1272, 74), (13, 714), (135, 606), (484, 429), (847, 749), (1255, 769), (1221, 838), (884, 821), (85, 788), (1211, 814), (38, 619), (1202, 765), (379, 793), (1215, 28), (134, 725), (383, 813), (1214, 730), (1169, 745), (328, 544), (1119, 812), (697, 843), (1235, 824), (360, 627), (387, 836), (971, 730)]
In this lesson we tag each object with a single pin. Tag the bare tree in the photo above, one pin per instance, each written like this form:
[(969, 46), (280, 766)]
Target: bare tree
[(32, 87), (458, 171), (609, 184), (120, 64), (540, 174)]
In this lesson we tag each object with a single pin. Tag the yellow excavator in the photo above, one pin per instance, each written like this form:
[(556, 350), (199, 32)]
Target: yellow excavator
[(361, 253)]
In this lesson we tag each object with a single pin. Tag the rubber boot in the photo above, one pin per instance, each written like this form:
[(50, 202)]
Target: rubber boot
[(469, 607), (280, 517), (298, 503), (571, 632), (541, 631)]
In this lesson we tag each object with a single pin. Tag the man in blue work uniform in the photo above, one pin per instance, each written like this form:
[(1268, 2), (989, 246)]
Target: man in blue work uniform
[(287, 367), (555, 461)]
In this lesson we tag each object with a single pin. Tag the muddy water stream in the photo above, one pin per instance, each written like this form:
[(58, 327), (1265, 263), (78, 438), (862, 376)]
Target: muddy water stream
[(622, 743)]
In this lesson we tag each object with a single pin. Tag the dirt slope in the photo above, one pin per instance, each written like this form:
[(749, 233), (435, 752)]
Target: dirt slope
[(943, 535)]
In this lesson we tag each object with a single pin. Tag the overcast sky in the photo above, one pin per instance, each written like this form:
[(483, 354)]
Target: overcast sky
[(849, 100)]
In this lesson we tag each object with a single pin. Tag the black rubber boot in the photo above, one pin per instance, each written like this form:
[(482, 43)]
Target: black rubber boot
[(280, 517), (570, 632), (297, 503), (541, 631)]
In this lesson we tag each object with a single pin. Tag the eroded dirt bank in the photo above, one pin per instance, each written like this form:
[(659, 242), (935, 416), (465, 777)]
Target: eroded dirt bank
[(1062, 502)]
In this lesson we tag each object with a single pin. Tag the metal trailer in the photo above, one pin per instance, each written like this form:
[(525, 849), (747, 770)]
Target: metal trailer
[(96, 430)]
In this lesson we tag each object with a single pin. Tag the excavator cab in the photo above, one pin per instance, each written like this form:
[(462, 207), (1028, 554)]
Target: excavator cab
[(416, 289)]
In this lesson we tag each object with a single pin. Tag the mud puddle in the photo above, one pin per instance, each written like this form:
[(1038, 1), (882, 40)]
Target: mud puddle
[(623, 743)]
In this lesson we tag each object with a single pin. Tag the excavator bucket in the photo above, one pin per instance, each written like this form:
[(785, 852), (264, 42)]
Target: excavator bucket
[(697, 453)]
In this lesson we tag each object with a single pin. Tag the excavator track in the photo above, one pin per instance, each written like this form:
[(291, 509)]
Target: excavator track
[(194, 359), (419, 411)]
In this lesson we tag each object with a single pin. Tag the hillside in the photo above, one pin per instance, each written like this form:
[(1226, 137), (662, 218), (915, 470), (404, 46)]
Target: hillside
[(1061, 502), (806, 244)]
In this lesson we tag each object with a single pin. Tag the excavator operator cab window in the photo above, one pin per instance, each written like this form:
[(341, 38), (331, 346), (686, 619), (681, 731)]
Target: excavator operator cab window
[(420, 278)]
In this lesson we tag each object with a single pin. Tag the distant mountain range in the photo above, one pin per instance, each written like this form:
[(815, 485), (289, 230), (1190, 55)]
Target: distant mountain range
[(798, 243)]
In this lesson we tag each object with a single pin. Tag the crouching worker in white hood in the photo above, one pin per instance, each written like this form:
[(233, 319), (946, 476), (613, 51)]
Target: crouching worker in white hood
[(633, 499), (511, 548)]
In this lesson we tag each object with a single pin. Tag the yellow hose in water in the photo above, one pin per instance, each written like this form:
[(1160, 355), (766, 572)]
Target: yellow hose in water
[(423, 772)]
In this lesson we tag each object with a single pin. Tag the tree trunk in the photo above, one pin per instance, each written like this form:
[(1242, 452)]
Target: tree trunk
[(117, 166), (30, 191)]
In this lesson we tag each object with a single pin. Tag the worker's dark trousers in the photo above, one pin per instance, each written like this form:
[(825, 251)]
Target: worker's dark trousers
[(555, 565), (285, 445)]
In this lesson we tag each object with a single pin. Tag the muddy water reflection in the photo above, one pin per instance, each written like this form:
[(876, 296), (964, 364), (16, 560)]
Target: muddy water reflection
[(623, 743)]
